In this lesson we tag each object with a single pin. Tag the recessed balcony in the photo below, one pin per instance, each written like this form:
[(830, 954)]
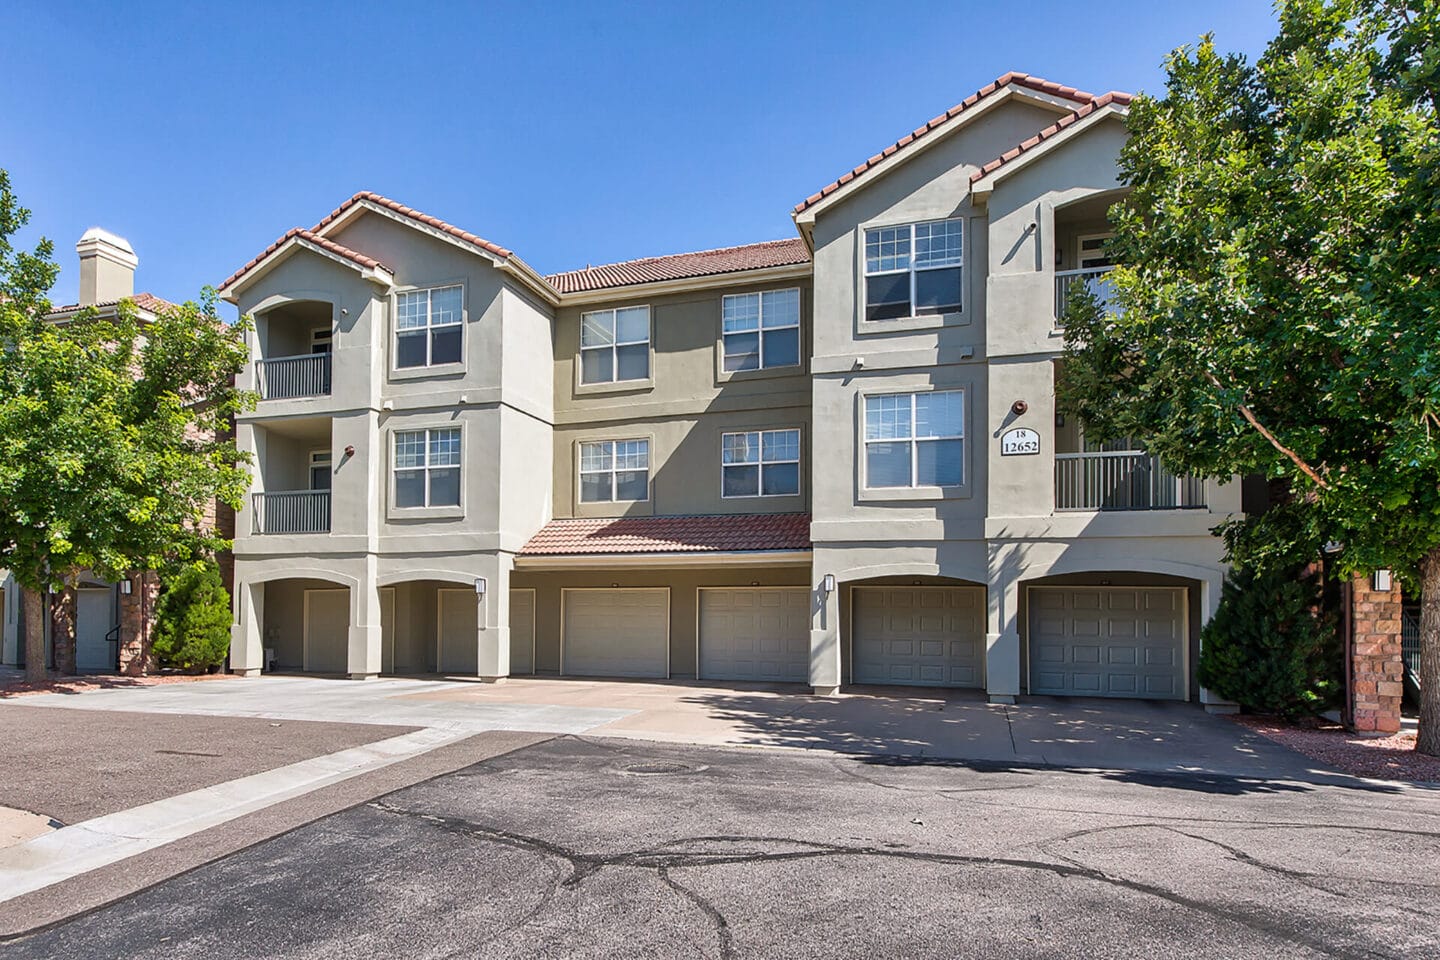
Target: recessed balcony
[(1122, 480), (291, 511), (290, 378), (1093, 277)]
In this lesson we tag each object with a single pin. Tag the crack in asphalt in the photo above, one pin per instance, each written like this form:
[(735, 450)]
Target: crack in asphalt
[(665, 857)]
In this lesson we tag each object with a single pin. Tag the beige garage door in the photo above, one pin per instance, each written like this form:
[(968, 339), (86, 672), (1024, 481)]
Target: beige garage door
[(327, 631), (755, 633), (458, 632), (1108, 642), (927, 636), (522, 631), (616, 633)]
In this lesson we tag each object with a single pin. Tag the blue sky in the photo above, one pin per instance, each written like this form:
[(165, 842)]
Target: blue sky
[(572, 133)]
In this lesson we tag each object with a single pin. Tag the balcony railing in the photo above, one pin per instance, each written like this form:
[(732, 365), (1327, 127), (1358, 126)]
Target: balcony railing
[(292, 511), (285, 378), (1122, 481), (1094, 277)]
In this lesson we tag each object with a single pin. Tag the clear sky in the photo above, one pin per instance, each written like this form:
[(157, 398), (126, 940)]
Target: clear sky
[(572, 133)]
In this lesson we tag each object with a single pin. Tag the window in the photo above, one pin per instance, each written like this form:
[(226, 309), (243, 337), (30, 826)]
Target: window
[(320, 470), (915, 439), (1093, 251), (321, 340), (614, 470), (913, 270), (761, 463), (761, 329), (427, 327), (427, 468), (615, 345)]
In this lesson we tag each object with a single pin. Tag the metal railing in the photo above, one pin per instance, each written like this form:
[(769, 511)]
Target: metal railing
[(292, 511), (1410, 646), (285, 378), (1094, 277), (1125, 480)]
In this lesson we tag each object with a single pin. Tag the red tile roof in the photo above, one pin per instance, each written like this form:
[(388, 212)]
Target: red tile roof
[(145, 301), (311, 237), (680, 266), (418, 217), (688, 534), (1114, 96), (1018, 79)]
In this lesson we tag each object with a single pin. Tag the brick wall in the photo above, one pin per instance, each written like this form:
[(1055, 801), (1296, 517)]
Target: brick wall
[(137, 624), (1377, 671)]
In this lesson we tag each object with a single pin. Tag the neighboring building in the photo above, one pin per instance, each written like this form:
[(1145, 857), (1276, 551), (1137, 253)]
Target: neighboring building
[(828, 460), (113, 621)]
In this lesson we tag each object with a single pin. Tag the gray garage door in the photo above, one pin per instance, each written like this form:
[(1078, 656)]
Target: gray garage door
[(755, 633), (94, 619), (459, 632), (927, 636), (1108, 642), (616, 633), (327, 630), (522, 631)]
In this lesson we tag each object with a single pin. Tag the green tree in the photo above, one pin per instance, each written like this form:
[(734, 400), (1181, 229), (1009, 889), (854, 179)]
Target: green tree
[(1279, 307), (192, 619), (114, 436)]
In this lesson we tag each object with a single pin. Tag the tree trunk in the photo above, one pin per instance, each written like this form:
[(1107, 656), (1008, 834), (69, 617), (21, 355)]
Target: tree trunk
[(62, 630), (33, 603), (1429, 738)]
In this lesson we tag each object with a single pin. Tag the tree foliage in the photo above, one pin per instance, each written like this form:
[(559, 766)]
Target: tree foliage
[(1278, 310), (192, 619)]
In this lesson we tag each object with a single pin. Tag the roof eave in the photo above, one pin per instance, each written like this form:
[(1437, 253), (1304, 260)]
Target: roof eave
[(689, 558), (981, 188), (709, 281), (377, 275)]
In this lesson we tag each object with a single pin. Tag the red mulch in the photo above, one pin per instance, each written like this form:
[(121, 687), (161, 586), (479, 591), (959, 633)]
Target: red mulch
[(1379, 758), (20, 688)]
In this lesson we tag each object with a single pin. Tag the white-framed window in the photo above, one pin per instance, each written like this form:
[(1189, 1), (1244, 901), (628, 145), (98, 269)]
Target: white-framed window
[(614, 470), (321, 340), (761, 329), (427, 468), (1092, 251), (915, 439), (760, 463), (615, 345), (913, 269), (320, 469), (428, 325)]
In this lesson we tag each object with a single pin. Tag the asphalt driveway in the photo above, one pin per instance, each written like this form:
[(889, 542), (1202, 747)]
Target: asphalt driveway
[(587, 847)]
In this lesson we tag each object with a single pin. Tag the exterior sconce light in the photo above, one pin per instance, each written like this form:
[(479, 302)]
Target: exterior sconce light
[(350, 450), (828, 584), (1380, 581), (1019, 407), (126, 587), (480, 587)]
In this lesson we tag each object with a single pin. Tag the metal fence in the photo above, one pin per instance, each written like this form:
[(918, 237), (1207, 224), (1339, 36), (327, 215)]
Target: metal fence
[(1410, 646), (292, 511), (284, 378), (1122, 481), (1094, 277)]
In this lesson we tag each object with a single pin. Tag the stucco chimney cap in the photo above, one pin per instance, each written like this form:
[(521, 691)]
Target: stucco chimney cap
[(100, 242)]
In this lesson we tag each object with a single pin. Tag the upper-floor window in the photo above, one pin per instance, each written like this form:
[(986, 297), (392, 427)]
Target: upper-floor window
[(427, 468), (615, 345), (915, 439), (761, 329), (428, 326), (320, 470), (913, 269), (614, 470), (760, 463)]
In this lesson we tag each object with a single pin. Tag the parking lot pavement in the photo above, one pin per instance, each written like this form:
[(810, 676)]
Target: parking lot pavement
[(583, 847)]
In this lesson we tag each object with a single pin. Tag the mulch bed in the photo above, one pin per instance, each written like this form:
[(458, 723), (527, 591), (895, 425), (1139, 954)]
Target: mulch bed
[(21, 688), (1379, 758)]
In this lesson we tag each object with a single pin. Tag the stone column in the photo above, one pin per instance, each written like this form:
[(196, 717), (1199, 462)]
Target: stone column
[(1377, 668), (1002, 637), (365, 640), (137, 623), (247, 643), (824, 639)]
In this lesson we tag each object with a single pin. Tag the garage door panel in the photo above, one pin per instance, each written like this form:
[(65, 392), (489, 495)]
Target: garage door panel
[(616, 633), (1116, 641), (522, 631), (930, 636), (755, 634)]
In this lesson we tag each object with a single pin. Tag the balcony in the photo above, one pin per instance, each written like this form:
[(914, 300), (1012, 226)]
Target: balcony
[(289, 378), (1122, 480), (1092, 277), (292, 511)]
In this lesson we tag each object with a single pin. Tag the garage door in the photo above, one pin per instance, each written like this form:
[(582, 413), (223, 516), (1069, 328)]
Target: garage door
[(928, 636), (522, 631), (327, 631), (94, 619), (754, 633), (459, 632), (616, 633), (1108, 642)]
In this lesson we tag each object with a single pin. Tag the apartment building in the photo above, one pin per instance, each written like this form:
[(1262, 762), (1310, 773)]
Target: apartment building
[(833, 459)]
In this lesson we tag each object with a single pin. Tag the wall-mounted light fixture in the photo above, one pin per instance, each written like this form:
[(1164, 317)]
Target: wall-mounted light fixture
[(1019, 407), (350, 450), (828, 583), (126, 587), (1380, 581), (480, 587)]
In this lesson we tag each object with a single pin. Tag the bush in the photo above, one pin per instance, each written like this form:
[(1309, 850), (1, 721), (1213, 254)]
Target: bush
[(192, 620), (1273, 646)]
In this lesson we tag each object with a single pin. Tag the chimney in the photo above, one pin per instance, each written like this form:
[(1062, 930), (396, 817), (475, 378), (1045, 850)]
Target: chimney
[(107, 267)]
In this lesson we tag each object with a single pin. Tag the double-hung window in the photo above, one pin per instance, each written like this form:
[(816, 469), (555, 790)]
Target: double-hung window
[(913, 269), (615, 345), (427, 468), (915, 439), (614, 470), (427, 326), (760, 463), (761, 329)]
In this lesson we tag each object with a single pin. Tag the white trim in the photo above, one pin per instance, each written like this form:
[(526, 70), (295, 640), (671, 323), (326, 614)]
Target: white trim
[(534, 625), (565, 590), (305, 624), (808, 590), (429, 329), (580, 470), (630, 561), (914, 441), (615, 344), (761, 330), (911, 269), (394, 471), (760, 463)]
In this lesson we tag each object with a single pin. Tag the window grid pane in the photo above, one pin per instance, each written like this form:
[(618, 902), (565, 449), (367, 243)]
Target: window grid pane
[(445, 304), (937, 244), (613, 470), (740, 312), (760, 463), (411, 309), (887, 249)]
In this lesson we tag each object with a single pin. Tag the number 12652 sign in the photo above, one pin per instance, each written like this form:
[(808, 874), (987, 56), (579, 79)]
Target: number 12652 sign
[(1019, 442)]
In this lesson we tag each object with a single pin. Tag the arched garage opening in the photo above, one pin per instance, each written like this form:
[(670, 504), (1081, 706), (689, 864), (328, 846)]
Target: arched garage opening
[(306, 625), (923, 631)]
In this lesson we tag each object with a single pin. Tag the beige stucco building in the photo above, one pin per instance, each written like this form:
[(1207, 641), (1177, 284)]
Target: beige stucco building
[(830, 460)]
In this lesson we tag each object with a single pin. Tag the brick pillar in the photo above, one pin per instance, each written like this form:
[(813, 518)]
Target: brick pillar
[(1377, 671), (137, 623)]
